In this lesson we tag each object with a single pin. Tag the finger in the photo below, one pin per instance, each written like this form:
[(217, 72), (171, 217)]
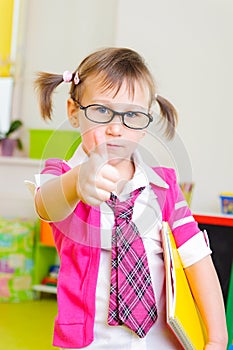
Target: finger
[(100, 143), (106, 185), (97, 198), (110, 173)]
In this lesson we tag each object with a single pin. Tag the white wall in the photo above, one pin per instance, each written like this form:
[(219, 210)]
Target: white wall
[(189, 47), (187, 44), (57, 36)]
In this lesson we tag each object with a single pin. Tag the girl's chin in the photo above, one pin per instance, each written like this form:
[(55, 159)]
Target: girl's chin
[(119, 162), (116, 159)]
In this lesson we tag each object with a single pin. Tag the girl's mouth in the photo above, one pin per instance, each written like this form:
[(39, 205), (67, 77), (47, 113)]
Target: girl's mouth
[(113, 146)]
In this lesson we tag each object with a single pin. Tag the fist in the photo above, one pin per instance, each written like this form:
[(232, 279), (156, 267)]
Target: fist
[(96, 178)]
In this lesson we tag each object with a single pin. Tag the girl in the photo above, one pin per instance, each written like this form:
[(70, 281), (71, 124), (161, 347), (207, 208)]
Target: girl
[(111, 96)]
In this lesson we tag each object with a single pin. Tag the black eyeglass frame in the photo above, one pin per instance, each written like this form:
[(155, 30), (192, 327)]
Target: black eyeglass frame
[(114, 113)]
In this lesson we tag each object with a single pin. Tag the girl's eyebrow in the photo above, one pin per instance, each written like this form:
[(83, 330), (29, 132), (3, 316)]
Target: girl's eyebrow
[(125, 106)]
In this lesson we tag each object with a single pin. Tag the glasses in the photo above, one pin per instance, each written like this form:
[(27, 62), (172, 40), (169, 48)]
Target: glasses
[(103, 115)]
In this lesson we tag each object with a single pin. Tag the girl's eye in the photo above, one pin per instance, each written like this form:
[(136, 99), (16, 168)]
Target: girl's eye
[(102, 110), (131, 114)]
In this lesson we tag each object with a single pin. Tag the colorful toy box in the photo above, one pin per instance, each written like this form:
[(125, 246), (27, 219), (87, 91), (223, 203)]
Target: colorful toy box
[(226, 202), (16, 259)]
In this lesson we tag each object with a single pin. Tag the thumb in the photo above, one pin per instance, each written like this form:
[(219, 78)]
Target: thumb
[(100, 144)]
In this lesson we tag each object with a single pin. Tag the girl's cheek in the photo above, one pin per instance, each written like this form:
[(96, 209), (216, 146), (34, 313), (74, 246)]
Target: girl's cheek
[(88, 142), (88, 138), (87, 131)]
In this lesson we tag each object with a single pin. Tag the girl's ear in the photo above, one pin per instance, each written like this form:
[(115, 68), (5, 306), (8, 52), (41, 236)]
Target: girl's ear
[(72, 111)]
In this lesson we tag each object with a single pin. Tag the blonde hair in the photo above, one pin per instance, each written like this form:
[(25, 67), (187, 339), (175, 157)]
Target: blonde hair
[(112, 66)]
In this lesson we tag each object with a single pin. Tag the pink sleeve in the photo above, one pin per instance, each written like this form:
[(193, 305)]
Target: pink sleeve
[(55, 166), (180, 218), (176, 211)]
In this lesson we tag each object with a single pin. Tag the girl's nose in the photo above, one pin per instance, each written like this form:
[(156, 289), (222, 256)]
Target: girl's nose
[(115, 126)]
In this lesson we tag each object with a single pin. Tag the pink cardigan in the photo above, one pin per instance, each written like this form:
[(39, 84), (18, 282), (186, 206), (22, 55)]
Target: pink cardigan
[(77, 241)]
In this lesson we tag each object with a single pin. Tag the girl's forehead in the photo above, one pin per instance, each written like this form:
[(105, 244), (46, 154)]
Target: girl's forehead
[(96, 87)]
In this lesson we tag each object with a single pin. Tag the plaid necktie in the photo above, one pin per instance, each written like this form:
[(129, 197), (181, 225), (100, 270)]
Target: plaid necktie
[(132, 300)]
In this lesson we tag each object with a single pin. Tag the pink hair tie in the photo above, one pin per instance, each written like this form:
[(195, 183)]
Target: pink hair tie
[(76, 79), (67, 76)]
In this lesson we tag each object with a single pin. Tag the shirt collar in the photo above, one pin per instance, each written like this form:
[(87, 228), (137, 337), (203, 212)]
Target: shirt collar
[(151, 176)]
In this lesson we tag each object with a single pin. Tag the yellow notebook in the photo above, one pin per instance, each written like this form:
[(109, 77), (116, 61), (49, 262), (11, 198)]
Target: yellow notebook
[(182, 314)]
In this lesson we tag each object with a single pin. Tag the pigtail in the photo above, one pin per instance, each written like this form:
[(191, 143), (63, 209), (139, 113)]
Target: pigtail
[(45, 84), (169, 116)]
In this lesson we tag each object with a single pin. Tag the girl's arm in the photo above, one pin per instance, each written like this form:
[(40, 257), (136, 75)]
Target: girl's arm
[(57, 198), (207, 292)]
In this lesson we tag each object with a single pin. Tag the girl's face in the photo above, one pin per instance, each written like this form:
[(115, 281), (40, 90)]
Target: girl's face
[(120, 140)]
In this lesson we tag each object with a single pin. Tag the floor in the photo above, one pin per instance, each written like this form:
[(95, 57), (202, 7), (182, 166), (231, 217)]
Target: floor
[(27, 325)]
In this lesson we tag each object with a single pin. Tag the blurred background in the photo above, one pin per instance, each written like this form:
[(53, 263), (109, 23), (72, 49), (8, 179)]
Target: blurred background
[(189, 48)]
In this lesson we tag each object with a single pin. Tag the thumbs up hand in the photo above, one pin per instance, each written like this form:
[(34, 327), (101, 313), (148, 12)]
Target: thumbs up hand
[(96, 178)]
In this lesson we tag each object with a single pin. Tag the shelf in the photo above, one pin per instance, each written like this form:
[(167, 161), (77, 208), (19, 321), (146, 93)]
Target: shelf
[(214, 219), (20, 161), (43, 288)]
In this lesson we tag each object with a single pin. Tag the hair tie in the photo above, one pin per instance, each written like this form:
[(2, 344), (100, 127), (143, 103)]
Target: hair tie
[(67, 76), (76, 78)]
